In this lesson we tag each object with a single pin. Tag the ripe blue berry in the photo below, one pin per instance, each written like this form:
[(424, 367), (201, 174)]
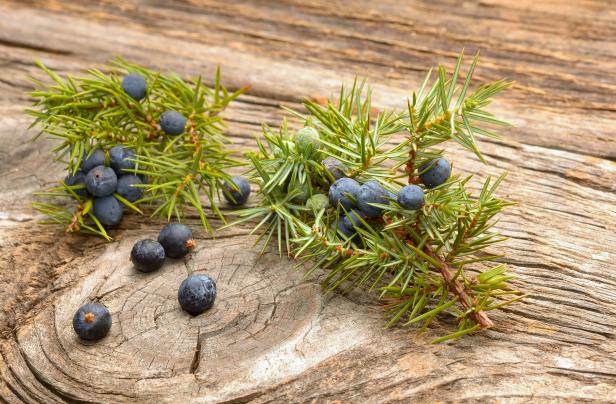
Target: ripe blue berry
[(119, 159), (372, 192), (435, 172), (411, 197), (134, 85), (335, 167), (176, 239), (127, 190), (340, 191), (96, 158), (92, 321), (101, 181), (79, 179), (172, 122), (108, 210), (197, 294), (147, 255), (237, 195), (348, 223)]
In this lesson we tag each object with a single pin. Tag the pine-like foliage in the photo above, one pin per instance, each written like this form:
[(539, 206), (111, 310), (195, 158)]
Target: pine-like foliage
[(93, 111), (424, 262)]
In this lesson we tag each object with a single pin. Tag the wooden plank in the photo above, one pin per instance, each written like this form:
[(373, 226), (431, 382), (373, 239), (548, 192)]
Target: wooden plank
[(273, 335)]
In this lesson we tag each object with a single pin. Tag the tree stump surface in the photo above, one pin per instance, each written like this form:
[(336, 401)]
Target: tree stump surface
[(272, 335)]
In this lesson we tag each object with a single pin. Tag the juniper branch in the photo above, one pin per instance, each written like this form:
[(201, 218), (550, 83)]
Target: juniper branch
[(93, 111), (416, 258)]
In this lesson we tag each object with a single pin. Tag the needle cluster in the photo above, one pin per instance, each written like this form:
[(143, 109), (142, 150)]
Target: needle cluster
[(427, 250)]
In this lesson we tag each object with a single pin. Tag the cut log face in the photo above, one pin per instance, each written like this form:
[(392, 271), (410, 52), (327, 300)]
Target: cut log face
[(272, 336), (259, 331)]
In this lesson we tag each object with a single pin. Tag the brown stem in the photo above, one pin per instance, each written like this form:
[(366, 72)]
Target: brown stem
[(456, 287), (470, 227), (183, 184), (74, 224), (410, 166)]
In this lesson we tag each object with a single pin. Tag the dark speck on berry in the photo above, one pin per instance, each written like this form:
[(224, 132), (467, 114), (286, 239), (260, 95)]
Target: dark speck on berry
[(101, 181)]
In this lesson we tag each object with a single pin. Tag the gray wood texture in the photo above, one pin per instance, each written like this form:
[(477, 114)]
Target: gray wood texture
[(272, 335)]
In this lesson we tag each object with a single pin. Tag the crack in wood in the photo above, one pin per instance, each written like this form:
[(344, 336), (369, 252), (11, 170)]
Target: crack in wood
[(13, 43), (194, 366)]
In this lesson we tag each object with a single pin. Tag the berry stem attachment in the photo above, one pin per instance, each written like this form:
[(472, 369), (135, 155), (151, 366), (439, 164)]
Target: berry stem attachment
[(73, 226)]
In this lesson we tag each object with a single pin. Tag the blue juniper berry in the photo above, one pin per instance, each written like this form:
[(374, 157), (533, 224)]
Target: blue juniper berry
[(120, 159), (134, 85), (349, 222), (126, 187), (79, 179), (92, 321), (238, 194), (177, 240), (96, 158), (335, 167), (101, 181), (147, 255), (108, 210), (197, 293), (435, 173), (372, 192), (172, 122), (411, 197), (344, 191)]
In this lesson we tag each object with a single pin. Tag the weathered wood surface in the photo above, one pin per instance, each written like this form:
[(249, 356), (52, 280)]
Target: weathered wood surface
[(273, 336)]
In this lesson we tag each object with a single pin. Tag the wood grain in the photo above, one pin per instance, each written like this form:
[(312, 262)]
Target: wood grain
[(272, 335)]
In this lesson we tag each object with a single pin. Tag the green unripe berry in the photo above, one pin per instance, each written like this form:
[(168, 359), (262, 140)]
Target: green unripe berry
[(276, 151), (318, 202), (307, 139), (304, 194)]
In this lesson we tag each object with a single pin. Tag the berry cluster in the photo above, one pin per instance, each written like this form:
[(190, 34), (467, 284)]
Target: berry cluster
[(144, 138), (361, 202), (107, 175), (196, 293), (105, 178)]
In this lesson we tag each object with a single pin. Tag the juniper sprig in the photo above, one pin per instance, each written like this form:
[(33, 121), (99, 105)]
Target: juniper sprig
[(99, 111), (424, 262)]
